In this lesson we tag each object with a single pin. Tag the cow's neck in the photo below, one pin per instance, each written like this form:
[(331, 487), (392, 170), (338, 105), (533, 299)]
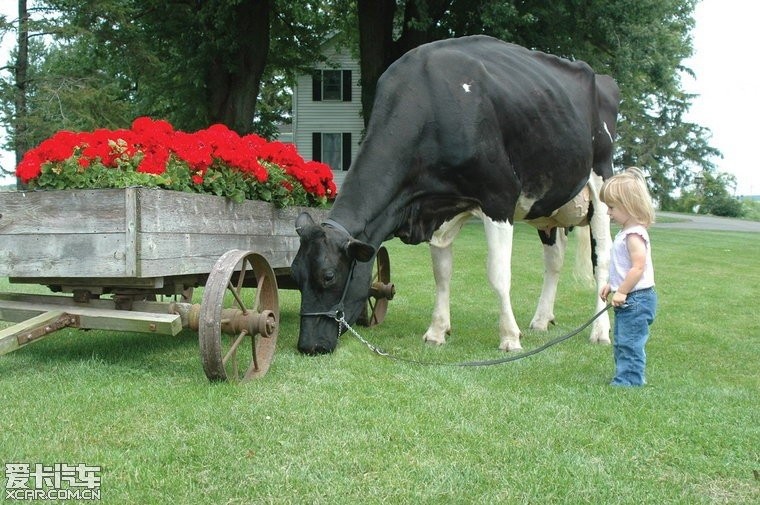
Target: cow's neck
[(366, 220)]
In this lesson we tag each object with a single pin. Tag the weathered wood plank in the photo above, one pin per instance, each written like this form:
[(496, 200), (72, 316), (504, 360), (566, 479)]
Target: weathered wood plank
[(13, 338), (61, 212), (173, 254), (67, 301), (97, 318), (62, 255), (131, 227), (136, 233), (188, 213)]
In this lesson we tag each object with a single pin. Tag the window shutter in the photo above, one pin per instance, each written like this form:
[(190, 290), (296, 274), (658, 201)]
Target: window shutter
[(316, 146), (316, 86), (346, 85), (346, 151)]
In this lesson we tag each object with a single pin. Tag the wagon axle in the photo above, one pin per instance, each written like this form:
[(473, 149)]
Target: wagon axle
[(233, 321), (382, 290)]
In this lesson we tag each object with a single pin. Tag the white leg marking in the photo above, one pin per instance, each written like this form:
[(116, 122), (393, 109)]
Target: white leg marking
[(499, 240), (440, 323), (600, 227), (554, 257), (443, 261)]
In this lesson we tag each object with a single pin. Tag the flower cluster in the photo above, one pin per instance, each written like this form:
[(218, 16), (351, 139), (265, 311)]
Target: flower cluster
[(152, 153)]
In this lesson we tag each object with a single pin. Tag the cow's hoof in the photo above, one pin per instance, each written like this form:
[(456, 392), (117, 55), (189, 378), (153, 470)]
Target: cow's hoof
[(600, 336), (541, 324), (430, 338), (510, 345), (600, 340)]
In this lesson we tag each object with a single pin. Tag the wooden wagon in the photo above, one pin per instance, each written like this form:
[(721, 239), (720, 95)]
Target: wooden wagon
[(110, 254)]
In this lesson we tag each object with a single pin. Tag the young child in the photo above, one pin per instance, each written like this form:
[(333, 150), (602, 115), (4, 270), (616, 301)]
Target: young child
[(631, 279)]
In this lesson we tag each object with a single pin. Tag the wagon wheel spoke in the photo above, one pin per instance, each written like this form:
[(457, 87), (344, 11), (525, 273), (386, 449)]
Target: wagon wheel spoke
[(232, 352), (372, 306), (234, 312), (237, 289), (260, 283), (236, 295), (380, 290)]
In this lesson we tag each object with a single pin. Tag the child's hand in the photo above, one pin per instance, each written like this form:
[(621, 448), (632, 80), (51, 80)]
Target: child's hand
[(605, 292), (619, 299)]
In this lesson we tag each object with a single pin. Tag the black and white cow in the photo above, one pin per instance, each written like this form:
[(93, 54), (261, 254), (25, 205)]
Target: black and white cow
[(463, 127)]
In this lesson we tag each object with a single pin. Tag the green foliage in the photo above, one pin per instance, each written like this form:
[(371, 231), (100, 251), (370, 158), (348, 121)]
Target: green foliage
[(354, 427), (751, 209), (710, 196), (220, 180), (641, 43), (111, 61), (187, 62)]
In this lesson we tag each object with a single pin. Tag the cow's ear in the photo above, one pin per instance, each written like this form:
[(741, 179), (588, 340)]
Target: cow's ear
[(302, 221), (359, 250)]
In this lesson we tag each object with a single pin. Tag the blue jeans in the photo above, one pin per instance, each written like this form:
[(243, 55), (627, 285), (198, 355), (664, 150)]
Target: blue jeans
[(631, 331)]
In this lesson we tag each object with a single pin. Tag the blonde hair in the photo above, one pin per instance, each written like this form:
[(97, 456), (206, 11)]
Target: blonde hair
[(629, 191)]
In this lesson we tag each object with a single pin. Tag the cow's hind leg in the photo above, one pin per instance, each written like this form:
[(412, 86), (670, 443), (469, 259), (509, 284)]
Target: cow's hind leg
[(499, 239), (555, 244)]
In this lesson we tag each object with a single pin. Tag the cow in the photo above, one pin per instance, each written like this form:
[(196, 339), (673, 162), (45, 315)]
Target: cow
[(463, 127)]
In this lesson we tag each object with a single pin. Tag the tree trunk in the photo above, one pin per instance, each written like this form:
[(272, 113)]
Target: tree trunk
[(234, 82), (22, 63), (376, 46)]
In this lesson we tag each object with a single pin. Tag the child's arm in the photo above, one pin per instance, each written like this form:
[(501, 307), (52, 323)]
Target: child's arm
[(637, 250)]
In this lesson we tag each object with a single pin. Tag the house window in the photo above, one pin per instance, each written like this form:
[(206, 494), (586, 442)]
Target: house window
[(331, 150), (331, 85), (334, 149)]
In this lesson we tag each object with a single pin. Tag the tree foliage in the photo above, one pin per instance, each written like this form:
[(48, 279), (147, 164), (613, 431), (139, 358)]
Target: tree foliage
[(641, 43), (103, 63), (232, 61), (710, 195)]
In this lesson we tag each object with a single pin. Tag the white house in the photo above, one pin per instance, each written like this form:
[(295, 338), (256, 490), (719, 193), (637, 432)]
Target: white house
[(327, 122)]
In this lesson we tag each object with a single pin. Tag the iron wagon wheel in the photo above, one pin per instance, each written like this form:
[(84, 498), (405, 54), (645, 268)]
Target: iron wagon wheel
[(239, 317), (381, 290)]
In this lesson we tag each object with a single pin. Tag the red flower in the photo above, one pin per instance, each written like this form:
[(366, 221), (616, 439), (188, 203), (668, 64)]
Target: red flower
[(155, 142), (154, 161), (30, 167), (193, 150)]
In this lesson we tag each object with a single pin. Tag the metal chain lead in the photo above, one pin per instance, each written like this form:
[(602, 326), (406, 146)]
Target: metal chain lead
[(341, 319), (342, 322)]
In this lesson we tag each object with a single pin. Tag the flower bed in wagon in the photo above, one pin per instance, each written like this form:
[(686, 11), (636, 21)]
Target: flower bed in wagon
[(152, 154), (111, 220)]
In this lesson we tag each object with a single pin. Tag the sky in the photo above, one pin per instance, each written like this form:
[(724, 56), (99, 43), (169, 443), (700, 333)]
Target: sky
[(726, 41)]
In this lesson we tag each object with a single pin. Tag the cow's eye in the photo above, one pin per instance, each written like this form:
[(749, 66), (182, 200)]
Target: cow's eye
[(328, 277)]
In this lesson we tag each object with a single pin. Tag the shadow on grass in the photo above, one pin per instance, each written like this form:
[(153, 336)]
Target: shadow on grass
[(142, 353)]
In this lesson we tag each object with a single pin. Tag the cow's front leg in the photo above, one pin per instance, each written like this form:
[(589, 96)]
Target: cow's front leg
[(554, 244), (600, 231), (440, 323), (499, 239), (600, 225)]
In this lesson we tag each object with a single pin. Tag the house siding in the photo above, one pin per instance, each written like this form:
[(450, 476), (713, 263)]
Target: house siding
[(328, 116)]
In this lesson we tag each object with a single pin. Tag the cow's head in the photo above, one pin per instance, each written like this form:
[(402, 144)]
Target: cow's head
[(332, 271)]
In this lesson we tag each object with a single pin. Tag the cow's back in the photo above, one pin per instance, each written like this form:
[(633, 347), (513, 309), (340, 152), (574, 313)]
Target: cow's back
[(477, 122)]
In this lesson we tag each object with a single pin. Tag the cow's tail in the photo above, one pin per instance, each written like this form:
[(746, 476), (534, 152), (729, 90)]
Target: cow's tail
[(584, 266)]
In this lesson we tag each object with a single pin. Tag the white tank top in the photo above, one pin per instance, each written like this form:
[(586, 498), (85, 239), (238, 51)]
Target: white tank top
[(620, 261)]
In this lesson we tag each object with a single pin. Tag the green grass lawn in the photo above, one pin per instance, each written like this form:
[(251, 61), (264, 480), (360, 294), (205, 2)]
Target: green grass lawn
[(354, 427)]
